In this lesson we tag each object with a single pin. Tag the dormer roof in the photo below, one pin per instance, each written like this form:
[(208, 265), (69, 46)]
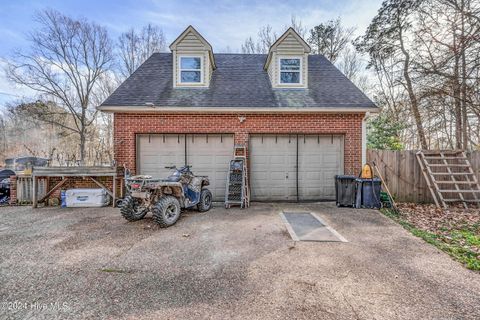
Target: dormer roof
[(191, 31), (289, 33)]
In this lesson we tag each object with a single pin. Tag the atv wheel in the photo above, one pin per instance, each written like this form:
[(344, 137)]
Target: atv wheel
[(205, 203), (131, 209), (166, 211)]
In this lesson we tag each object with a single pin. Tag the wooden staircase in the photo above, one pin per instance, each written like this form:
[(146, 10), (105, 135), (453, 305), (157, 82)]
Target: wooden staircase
[(450, 177)]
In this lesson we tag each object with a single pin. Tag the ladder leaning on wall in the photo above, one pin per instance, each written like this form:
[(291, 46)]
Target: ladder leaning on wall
[(237, 190), (450, 177)]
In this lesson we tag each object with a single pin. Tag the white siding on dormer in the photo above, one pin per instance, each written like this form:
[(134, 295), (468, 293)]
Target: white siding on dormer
[(191, 44), (272, 72), (289, 45)]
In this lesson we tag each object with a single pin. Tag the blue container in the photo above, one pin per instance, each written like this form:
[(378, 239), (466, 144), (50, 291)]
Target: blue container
[(63, 198), (368, 193)]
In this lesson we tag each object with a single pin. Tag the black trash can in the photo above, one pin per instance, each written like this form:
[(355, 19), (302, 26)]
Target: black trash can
[(345, 190), (368, 193), (5, 185)]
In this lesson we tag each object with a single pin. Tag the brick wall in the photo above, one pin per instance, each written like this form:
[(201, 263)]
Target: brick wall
[(78, 183), (72, 183), (126, 126), (13, 190)]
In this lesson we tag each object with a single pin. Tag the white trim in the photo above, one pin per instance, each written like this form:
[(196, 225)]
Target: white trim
[(158, 109), (300, 71), (335, 233), (290, 230), (173, 45), (179, 71)]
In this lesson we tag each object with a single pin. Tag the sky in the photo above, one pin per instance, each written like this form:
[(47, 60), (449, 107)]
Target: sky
[(225, 24)]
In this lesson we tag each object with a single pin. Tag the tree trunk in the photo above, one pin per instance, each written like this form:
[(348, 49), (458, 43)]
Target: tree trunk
[(463, 100), (411, 94), (83, 129), (82, 147), (456, 91)]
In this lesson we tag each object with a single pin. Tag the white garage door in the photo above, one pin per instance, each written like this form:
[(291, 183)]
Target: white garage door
[(273, 167), (208, 155), (157, 151), (320, 158)]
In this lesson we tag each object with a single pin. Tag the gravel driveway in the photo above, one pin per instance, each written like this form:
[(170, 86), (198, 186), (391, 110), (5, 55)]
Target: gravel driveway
[(91, 264)]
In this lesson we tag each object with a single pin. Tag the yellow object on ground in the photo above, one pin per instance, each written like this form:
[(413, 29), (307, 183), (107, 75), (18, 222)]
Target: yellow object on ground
[(367, 172)]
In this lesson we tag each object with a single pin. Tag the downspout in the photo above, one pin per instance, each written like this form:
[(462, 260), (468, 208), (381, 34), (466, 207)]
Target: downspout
[(364, 138)]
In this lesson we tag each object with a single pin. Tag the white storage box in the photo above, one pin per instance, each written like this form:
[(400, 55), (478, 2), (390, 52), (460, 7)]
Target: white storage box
[(76, 198)]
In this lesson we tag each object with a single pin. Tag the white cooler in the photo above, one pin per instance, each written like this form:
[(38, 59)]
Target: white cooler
[(77, 198)]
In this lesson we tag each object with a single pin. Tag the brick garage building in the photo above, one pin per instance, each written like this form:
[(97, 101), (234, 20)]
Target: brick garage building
[(300, 118)]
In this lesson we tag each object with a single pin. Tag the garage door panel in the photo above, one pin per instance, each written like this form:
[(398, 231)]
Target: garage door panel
[(210, 155), (155, 152), (273, 161), (320, 159), (272, 168)]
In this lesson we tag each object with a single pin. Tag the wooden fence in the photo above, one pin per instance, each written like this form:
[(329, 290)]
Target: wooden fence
[(403, 175), (25, 188)]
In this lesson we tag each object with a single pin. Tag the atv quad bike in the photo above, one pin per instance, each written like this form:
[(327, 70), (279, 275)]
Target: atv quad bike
[(165, 198)]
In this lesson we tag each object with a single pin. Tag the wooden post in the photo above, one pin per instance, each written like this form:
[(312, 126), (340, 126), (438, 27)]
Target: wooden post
[(34, 196), (114, 191)]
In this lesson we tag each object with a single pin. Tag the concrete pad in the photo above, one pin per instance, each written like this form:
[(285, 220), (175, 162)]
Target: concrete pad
[(307, 226)]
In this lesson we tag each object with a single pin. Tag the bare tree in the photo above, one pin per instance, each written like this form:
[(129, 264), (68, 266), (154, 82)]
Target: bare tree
[(267, 36), (330, 39), (3, 136), (298, 26), (350, 63), (136, 47), (448, 47), (386, 41), (65, 63), (249, 46)]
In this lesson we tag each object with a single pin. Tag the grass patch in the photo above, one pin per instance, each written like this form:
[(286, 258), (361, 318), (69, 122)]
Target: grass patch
[(459, 242)]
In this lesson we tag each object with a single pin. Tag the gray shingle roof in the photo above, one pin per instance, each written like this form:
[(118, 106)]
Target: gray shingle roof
[(238, 81)]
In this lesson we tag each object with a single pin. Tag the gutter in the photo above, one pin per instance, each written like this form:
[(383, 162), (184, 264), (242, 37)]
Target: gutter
[(156, 109), (364, 137)]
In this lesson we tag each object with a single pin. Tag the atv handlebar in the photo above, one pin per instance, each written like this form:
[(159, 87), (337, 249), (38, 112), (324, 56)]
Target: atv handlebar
[(175, 168)]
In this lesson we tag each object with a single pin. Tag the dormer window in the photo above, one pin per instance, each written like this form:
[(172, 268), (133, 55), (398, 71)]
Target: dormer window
[(190, 69), (287, 61), (193, 60), (290, 70)]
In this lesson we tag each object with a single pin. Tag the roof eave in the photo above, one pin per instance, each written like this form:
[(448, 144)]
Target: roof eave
[(158, 109)]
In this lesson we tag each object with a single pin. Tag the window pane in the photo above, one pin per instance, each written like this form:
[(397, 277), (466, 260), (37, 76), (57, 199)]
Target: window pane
[(290, 77), (190, 76), (190, 63), (290, 64)]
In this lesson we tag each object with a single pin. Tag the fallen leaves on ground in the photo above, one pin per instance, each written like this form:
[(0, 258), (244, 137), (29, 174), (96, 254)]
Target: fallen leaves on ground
[(457, 227), (430, 218)]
